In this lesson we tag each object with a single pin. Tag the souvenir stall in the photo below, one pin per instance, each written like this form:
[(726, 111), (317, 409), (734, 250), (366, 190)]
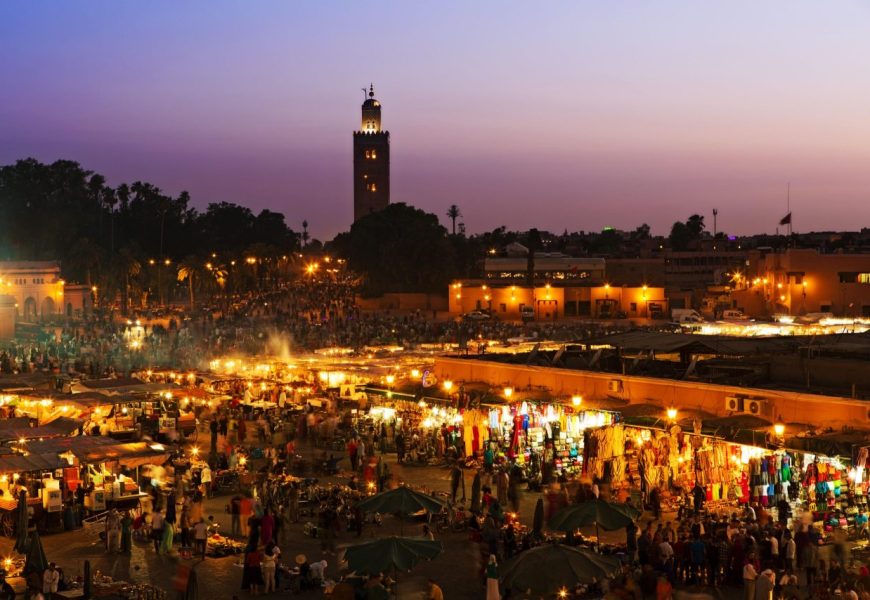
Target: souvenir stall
[(539, 437)]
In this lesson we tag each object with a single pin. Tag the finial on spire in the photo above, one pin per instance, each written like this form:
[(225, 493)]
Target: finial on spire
[(372, 91)]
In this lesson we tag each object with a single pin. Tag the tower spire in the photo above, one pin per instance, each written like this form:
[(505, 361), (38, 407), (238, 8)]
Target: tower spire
[(371, 90)]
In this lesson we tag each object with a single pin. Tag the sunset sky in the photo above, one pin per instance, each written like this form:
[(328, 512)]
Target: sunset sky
[(558, 115)]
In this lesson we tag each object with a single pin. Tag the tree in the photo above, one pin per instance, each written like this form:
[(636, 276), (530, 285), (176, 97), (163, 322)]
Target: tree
[(304, 233), (190, 269), (680, 236), (695, 224), (399, 249), (453, 214)]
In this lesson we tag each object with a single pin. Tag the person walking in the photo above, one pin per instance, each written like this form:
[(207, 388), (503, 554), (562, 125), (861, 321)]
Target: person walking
[(750, 575), (157, 523), (492, 592), (126, 533), (269, 565), (113, 531), (200, 537)]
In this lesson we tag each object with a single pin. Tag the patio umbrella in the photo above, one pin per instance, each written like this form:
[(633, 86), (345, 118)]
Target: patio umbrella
[(538, 520), (88, 583), (402, 500), (21, 526), (547, 569), (35, 562), (475, 493), (390, 554), (191, 592), (606, 515)]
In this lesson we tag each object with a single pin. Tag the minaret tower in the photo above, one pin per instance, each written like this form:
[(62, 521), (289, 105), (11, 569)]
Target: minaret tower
[(371, 161)]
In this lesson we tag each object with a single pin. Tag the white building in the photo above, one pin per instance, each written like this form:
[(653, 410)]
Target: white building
[(38, 291)]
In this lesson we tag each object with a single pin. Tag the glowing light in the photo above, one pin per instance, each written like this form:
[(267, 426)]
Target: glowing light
[(448, 385), (508, 392), (576, 400), (779, 429), (415, 373), (672, 414), (390, 379)]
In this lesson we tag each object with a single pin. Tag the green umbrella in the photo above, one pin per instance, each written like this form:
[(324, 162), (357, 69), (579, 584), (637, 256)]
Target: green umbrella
[(191, 591), (391, 553), (21, 526), (553, 567), (538, 520), (35, 562), (403, 501), (382, 555), (475, 493), (88, 583), (606, 515)]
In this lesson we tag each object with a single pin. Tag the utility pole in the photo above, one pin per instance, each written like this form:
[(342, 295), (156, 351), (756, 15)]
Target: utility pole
[(715, 214)]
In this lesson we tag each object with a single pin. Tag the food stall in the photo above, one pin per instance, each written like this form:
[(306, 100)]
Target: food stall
[(39, 475)]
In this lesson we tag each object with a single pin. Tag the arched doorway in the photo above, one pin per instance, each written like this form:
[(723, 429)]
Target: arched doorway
[(47, 307), (30, 310)]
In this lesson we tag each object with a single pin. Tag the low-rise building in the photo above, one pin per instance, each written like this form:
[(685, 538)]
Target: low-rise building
[(549, 302), (38, 293), (802, 281)]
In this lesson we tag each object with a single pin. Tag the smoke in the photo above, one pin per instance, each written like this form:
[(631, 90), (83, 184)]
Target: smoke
[(278, 345)]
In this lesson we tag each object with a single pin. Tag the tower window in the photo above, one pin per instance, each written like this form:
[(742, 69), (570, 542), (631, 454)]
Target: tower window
[(372, 187), (371, 154)]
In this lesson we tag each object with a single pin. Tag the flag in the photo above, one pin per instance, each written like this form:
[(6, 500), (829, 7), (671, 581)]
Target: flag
[(786, 220)]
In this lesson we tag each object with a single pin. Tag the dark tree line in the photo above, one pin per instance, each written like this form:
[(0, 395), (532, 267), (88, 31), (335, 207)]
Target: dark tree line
[(119, 238)]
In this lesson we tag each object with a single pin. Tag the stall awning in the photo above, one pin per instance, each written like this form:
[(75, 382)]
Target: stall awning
[(92, 449), (17, 429), (840, 443), (19, 463)]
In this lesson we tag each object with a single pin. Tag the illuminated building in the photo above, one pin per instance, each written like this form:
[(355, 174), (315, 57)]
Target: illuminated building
[(371, 161)]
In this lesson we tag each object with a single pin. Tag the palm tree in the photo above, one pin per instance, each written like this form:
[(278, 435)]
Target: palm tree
[(190, 269), (304, 233), (453, 214), (130, 267)]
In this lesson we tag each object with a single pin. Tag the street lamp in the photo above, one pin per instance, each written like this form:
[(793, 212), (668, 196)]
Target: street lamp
[(672, 414), (779, 429), (576, 400), (508, 392), (448, 385)]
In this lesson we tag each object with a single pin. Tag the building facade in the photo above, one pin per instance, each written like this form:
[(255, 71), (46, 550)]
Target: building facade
[(33, 291), (371, 161), (802, 281), (553, 302)]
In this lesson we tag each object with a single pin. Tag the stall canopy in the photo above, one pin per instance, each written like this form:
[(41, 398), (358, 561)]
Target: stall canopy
[(91, 449), (19, 428), (837, 443), (20, 463)]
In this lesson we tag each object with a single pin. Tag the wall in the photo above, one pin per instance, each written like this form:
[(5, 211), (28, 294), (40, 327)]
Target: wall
[(789, 407), (551, 303), (404, 301)]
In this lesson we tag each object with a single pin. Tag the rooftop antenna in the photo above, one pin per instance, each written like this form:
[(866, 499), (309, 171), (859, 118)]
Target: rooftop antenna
[(715, 214)]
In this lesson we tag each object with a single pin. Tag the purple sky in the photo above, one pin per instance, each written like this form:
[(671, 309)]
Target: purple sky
[(558, 115)]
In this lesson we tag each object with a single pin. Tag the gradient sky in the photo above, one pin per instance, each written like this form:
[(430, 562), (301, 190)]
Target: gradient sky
[(558, 115)]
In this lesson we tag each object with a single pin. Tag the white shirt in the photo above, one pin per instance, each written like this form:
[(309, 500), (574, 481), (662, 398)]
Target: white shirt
[(200, 531), (665, 551), (205, 475), (49, 581)]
